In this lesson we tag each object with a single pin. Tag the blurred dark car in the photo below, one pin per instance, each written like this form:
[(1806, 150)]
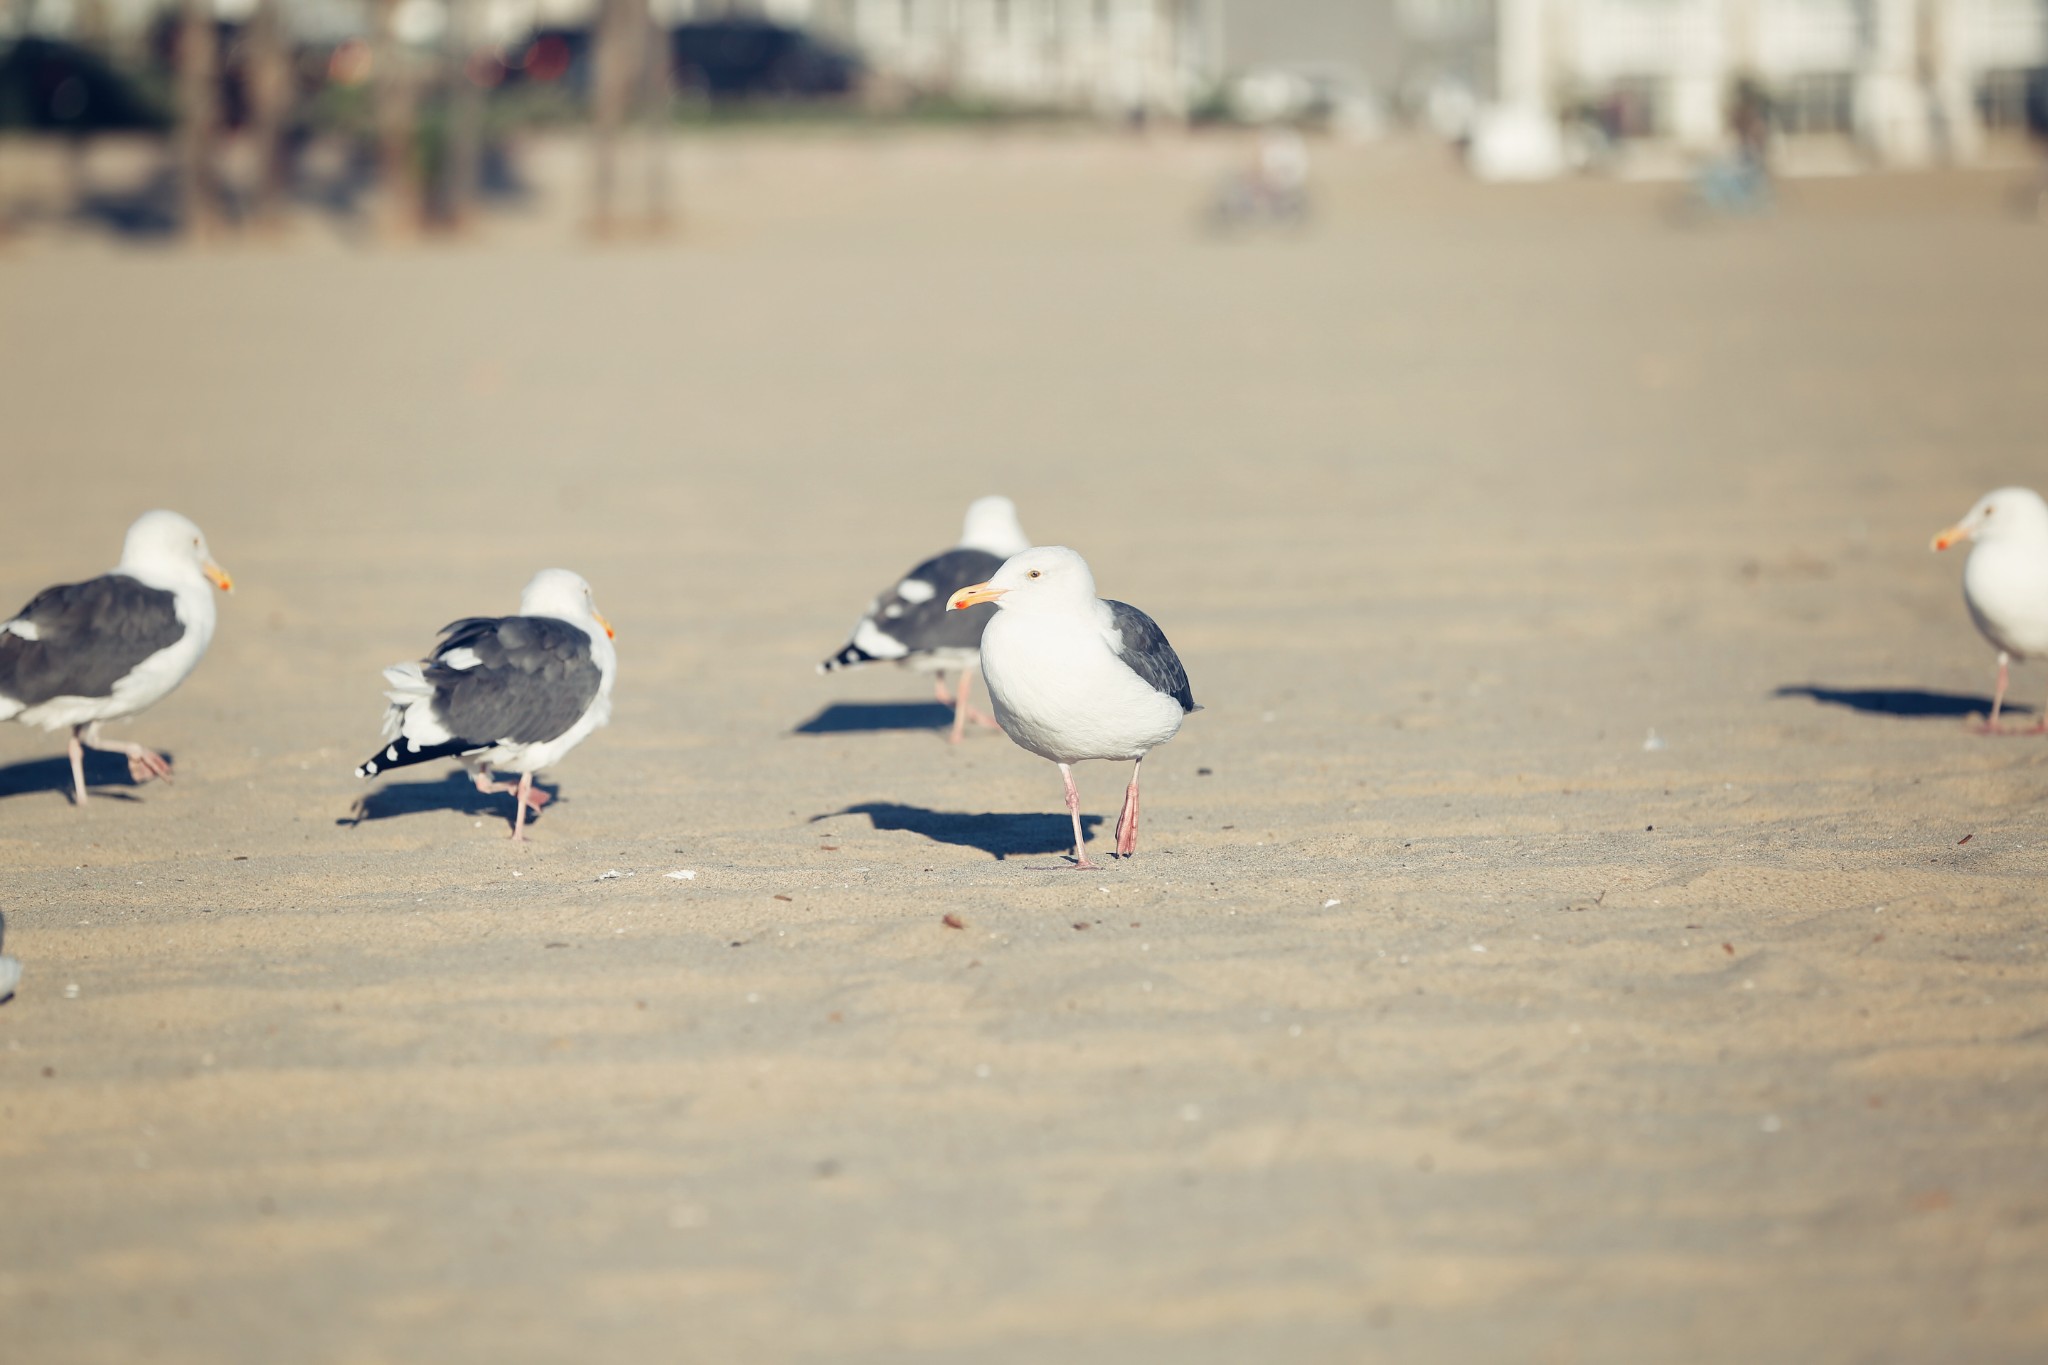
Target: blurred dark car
[(58, 87), (751, 58), (726, 59)]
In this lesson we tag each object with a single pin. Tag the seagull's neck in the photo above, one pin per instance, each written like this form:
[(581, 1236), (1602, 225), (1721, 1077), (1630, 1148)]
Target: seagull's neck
[(178, 576)]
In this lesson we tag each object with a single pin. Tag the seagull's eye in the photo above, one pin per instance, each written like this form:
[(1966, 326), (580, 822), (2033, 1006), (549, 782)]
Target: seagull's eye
[(1032, 574), (1989, 510)]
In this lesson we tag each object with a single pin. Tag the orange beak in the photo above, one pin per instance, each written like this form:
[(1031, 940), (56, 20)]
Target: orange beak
[(1951, 536), (973, 596), (217, 576), (609, 633)]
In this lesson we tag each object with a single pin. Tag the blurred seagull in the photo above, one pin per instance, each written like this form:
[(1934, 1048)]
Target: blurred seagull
[(512, 692), (112, 646), (1074, 676), (2005, 581), (909, 623)]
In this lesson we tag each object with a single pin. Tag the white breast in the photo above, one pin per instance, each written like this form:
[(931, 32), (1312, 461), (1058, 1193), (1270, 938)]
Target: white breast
[(2006, 588), (1061, 691)]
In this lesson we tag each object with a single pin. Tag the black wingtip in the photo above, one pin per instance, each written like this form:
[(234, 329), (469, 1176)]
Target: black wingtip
[(402, 753), (850, 657)]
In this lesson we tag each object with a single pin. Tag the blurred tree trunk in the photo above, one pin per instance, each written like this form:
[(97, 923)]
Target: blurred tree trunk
[(198, 119), (91, 26), (465, 116), (398, 208), (270, 97), (659, 97), (613, 63)]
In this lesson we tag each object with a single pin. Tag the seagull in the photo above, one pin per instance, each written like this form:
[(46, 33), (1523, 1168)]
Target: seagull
[(512, 692), (112, 646), (2005, 581), (1074, 676), (909, 623)]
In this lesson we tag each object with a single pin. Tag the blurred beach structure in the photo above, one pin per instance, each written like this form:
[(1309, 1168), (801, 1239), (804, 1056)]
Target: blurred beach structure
[(393, 118)]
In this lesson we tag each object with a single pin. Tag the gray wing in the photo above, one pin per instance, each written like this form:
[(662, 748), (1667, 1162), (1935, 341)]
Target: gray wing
[(88, 636), (533, 679), (1140, 643), (921, 623)]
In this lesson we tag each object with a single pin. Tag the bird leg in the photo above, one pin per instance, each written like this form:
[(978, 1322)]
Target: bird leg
[(1127, 823), (143, 764), (519, 808), (962, 712), (1074, 810), (77, 766), (529, 796), (1991, 726)]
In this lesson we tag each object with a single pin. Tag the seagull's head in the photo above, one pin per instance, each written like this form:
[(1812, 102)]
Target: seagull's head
[(992, 525), (1048, 576), (564, 596), (164, 545), (2001, 514)]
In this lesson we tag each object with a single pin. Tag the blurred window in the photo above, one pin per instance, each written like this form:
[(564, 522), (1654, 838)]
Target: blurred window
[(1816, 102), (2002, 100)]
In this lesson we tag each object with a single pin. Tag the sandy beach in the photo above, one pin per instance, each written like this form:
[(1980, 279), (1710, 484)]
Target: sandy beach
[(1578, 928)]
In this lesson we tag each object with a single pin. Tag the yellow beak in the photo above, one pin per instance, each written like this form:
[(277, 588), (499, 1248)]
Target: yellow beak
[(609, 633), (1953, 534), (217, 576), (973, 596)]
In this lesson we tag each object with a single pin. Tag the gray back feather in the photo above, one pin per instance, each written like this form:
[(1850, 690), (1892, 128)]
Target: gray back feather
[(1142, 644), (534, 680), (89, 636), (927, 625)]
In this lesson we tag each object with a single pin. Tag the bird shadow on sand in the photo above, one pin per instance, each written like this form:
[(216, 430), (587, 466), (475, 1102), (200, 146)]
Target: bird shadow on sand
[(999, 834), (1907, 702), (102, 771), (454, 792), (851, 717)]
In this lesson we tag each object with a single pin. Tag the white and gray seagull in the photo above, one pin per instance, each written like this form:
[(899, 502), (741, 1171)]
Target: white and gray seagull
[(2005, 581), (110, 647), (510, 692), (1074, 676), (908, 623)]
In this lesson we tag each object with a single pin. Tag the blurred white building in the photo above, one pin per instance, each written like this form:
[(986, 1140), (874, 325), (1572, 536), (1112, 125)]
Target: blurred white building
[(1114, 56), (1910, 80)]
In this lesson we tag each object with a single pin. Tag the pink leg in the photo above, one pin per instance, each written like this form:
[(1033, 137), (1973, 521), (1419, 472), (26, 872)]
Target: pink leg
[(519, 808), (1991, 727), (940, 690), (1074, 810), (1127, 823), (77, 766), (143, 764), (535, 798), (963, 712)]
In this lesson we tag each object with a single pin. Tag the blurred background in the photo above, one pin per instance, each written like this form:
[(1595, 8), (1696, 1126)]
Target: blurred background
[(385, 119), (1580, 917)]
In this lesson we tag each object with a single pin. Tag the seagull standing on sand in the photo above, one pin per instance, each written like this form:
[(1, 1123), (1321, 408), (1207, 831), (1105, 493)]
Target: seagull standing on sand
[(511, 692), (1074, 676), (2005, 581), (112, 646), (909, 622)]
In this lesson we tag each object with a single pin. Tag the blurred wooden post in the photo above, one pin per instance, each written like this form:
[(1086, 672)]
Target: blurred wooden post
[(658, 99), (397, 174), (270, 95), (465, 116), (611, 81), (198, 115)]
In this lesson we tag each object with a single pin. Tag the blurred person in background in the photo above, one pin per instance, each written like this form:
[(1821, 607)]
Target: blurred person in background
[(2037, 133), (1273, 189)]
